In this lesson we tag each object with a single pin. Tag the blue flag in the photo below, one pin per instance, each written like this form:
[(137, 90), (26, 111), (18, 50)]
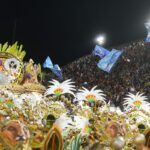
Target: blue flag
[(107, 63), (48, 63), (147, 25), (100, 51), (57, 71), (54, 68)]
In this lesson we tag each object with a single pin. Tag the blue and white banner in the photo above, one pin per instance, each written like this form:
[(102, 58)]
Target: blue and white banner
[(147, 25), (48, 63), (108, 62), (57, 71), (54, 68), (100, 51)]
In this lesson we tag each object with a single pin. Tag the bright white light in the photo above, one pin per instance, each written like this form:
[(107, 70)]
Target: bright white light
[(101, 39)]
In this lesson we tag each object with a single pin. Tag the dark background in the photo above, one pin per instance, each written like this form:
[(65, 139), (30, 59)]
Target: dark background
[(65, 29)]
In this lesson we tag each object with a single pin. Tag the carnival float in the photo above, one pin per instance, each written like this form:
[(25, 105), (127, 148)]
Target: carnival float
[(62, 117)]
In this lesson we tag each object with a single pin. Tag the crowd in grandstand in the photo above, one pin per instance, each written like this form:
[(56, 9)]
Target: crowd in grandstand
[(131, 73)]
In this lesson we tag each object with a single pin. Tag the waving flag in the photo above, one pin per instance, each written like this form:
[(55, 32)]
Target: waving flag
[(147, 25), (48, 63), (109, 60), (100, 51), (57, 71), (54, 68)]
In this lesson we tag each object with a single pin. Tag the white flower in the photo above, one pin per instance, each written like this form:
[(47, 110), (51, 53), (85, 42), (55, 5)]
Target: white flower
[(137, 117), (4, 79), (56, 105), (18, 102), (137, 101), (92, 95), (58, 88), (63, 121), (78, 122), (39, 118), (33, 99)]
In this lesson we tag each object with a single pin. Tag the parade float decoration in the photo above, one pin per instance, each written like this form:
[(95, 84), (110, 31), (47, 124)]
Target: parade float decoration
[(137, 111), (58, 88), (57, 118), (11, 65), (53, 67), (137, 101), (91, 96), (94, 98), (15, 135), (60, 97), (54, 139), (137, 114)]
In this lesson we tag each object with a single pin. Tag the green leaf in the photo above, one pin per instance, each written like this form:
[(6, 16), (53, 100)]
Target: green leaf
[(75, 143), (5, 46)]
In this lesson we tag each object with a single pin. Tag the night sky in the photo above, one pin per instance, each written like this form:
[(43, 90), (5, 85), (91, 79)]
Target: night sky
[(65, 29)]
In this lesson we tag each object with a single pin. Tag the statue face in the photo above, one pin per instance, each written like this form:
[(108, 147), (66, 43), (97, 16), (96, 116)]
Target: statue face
[(14, 133), (113, 129), (10, 68), (37, 139)]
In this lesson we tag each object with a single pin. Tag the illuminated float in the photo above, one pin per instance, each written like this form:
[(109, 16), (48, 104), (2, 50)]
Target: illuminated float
[(60, 117)]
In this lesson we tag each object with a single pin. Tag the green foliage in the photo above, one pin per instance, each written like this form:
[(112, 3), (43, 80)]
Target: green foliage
[(14, 50), (74, 144)]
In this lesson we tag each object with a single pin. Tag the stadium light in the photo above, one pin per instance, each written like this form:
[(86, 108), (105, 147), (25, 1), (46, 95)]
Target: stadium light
[(100, 40)]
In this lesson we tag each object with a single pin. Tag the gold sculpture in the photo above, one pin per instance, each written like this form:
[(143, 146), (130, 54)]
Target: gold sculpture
[(53, 140)]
